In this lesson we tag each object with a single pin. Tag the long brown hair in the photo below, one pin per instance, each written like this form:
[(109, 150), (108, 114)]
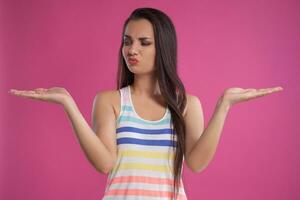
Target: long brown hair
[(170, 85)]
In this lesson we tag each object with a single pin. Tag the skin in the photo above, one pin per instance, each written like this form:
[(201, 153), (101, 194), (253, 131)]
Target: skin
[(201, 143)]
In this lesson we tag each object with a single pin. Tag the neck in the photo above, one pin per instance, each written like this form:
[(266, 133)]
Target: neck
[(145, 86)]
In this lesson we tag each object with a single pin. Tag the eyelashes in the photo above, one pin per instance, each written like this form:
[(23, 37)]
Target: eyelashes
[(126, 43)]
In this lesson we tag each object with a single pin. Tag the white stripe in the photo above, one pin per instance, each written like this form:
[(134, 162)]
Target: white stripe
[(145, 126), (145, 186), (140, 172), (145, 136), (139, 147), (133, 198), (151, 161)]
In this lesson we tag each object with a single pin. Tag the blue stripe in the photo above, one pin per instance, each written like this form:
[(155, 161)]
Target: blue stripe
[(127, 108), (145, 131), (146, 142)]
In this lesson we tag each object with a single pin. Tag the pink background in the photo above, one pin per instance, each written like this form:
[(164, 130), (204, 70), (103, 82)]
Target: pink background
[(222, 44)]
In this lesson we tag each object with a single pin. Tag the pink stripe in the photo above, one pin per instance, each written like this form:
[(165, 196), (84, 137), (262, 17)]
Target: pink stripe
[(141, 192), (142, 179)]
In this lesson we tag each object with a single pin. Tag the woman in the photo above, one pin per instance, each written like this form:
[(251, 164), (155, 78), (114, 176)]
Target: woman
[(148, 126)]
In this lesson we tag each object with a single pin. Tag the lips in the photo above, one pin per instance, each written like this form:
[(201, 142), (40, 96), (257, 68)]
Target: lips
[(133, 61)]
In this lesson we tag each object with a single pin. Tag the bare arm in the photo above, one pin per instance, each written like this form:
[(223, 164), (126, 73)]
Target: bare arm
[(202, 144), (101, 157), (99, 146)]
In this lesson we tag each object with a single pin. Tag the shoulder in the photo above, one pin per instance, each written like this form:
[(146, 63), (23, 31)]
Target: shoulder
[(193, 102), (106, 95), (109, 97)]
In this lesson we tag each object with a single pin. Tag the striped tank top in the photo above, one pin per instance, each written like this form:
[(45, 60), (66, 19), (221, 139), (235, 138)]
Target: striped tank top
[(144, 165)]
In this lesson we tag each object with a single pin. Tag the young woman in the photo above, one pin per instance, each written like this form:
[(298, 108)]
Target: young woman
[(143, 131)]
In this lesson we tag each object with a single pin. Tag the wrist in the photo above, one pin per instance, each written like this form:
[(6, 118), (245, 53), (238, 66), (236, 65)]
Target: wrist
[(223, 104), (68, 102)]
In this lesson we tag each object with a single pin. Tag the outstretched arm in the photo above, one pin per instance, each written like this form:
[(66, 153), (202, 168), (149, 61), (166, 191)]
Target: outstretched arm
[(201, 144), (98, 143)]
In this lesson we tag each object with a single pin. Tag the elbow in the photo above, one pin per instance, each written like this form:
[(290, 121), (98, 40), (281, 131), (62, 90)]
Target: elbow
[(197, 167), (105, 169)]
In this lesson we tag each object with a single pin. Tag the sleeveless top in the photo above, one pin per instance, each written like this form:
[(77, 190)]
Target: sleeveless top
[(145, 154)]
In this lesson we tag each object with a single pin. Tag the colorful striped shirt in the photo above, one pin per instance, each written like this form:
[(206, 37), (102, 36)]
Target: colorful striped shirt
[(144, 166)]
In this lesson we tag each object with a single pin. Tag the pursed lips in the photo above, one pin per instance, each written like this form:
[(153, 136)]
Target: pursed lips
[(133, 61)]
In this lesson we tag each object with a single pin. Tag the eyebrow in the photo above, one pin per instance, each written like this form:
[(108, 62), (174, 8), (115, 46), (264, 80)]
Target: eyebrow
[(141, 38)]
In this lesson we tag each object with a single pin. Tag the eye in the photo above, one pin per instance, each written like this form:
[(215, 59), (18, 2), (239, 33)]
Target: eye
[(145, 43), (126, 42)]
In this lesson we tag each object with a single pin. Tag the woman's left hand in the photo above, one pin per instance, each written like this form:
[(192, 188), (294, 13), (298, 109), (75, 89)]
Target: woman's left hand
[(232, 96)]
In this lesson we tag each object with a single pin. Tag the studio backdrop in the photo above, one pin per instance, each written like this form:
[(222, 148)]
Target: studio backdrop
[(221, 44)]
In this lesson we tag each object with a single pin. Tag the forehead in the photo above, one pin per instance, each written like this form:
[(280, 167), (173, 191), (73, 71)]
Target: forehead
[(139, 28)]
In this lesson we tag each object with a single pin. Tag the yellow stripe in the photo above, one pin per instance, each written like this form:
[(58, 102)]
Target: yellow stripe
[(146, 154)]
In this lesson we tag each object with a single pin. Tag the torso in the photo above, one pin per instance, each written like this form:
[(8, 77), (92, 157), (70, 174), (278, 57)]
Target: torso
[(145, 150)]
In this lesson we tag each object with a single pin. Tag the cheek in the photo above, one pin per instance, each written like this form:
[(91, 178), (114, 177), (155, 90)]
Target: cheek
[(124, 51), (153, 51), (150, 58), (152, 54)]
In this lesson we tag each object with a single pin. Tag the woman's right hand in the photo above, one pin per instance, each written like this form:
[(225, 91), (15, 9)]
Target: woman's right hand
[(56, 95)]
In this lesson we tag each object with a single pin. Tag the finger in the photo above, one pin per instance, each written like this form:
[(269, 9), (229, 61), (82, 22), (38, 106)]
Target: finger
[(27, 94), (278, 88), (14, 91), (265, 91), (252, 93), (249, 90), (273, 89), (270, 90), (18, 92), (40, 90)]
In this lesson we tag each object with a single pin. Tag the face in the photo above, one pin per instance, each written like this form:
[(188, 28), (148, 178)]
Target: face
[(138, 43)]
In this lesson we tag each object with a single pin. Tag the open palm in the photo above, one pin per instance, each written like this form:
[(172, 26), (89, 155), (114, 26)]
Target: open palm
[(235, 95), (55, 94)]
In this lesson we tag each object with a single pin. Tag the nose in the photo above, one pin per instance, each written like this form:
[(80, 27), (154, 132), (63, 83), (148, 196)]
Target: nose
[(133, 49)]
